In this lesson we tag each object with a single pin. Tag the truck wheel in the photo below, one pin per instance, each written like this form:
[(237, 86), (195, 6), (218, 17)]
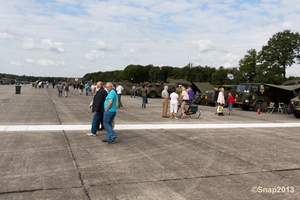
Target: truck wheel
[(297, 115), (152, 95), (257, 105), (245, 107)]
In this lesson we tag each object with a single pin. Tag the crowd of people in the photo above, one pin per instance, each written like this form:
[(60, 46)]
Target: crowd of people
[(107, 99), (187, 96)]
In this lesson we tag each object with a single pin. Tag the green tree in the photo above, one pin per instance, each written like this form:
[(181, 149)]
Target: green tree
[(281, 51), (248, 65), (219, 76), (136, 73)]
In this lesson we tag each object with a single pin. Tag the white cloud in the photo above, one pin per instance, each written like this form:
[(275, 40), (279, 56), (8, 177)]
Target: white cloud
[(43, 62), (72, 33), (15, 63), (46, 44), (54, 46), (204, 45), (29, 43), (93, 55), (230, 58), (4, 35), (30, 61), (101, 46), (227, 65)]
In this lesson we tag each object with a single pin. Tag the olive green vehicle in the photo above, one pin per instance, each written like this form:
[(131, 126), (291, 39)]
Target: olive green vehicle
[(155, 89), (259, 95), (210, 94), (295, 106), (203, 91)]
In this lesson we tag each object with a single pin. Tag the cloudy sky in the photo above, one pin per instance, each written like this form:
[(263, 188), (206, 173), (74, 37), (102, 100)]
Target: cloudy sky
[(72, 37)]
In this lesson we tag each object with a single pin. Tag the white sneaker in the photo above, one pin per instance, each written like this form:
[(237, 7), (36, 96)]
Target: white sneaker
[(91, 134), (176, 117)]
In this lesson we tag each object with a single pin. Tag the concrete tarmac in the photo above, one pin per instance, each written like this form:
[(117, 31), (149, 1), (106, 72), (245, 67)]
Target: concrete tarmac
[(46, 154)]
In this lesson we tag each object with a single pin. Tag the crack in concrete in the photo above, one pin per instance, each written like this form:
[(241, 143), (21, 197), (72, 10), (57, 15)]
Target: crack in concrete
[(83, 186), (196, 177), (36, 190)]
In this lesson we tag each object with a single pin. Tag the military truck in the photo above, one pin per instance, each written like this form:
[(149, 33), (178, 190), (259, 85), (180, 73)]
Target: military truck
[(203, 91), (155, 89), (295, 106), (255, 95), (208, 96)]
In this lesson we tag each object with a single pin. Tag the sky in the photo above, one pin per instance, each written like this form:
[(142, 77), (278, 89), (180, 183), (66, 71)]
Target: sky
[(69, 38)]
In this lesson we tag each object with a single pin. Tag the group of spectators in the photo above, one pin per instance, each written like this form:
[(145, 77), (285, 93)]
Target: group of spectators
[(219, 99), (63, 87), (185, 97)]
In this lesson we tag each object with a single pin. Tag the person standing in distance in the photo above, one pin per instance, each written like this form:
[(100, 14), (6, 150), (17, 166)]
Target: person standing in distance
[(110, 107), (231, 101), (119, 89), (221, 100), (217, 90), (191, 94), (184, 98), (173, 104), (165, 101), (144, 95), (60, 89), (133, 91)]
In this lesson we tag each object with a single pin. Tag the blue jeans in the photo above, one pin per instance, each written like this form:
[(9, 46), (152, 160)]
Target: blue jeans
[(87, 92), (230, 107), (95, 122), (144, 98), (59, 93), (108, 120), (133, 94)]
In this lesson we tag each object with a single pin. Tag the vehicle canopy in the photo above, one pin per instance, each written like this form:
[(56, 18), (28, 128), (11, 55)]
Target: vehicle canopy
[(201, 87)]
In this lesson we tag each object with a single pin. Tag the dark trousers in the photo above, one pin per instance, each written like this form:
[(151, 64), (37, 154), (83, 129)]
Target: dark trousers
[(100, 122), (119, 101)]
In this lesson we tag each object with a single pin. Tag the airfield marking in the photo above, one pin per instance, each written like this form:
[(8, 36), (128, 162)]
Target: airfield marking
[(145, 126)]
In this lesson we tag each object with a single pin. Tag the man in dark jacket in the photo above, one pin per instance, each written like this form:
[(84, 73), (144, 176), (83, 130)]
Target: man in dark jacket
[(217, 90), (98, 108)]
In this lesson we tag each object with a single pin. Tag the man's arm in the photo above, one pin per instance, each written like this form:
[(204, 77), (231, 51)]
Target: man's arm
[(109, 104)]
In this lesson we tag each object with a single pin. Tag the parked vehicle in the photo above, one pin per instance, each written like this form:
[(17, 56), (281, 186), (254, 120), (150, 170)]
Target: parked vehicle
[(202, 90), (295, 106), (155, 89), (208, 97), (255, 95)]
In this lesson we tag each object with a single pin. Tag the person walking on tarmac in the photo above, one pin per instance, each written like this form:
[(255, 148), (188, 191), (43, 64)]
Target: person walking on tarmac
[(98, 108)]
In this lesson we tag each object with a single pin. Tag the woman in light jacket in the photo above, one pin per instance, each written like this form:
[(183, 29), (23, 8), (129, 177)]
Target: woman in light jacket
[(221, 98)]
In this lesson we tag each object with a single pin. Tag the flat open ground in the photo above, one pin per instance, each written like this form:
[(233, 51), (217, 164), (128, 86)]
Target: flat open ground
[(46, 154)]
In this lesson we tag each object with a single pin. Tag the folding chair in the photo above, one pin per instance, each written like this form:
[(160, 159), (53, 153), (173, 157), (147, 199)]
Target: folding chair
[(281, 107), (271, 108), (264, 107)]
